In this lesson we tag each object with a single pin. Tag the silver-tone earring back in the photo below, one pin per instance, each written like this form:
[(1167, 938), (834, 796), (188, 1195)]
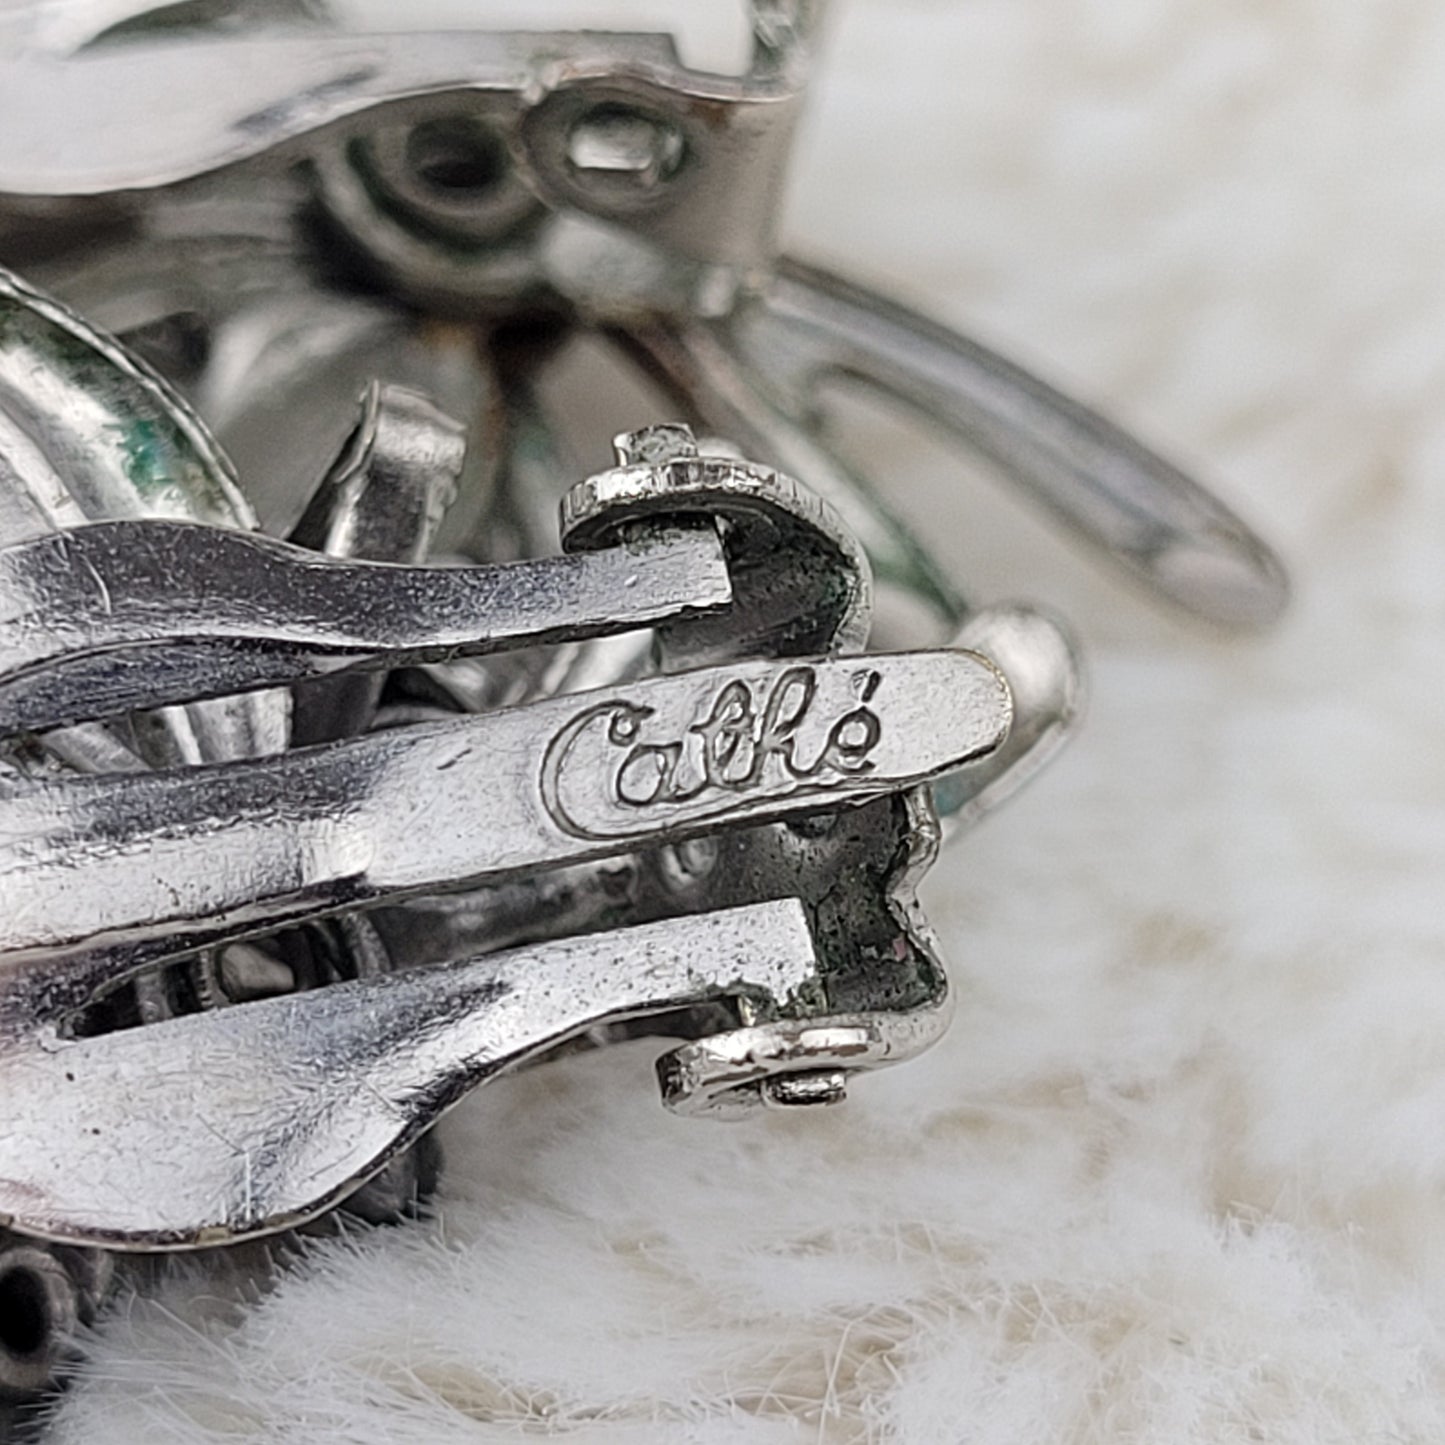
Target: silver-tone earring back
[(352, 752)]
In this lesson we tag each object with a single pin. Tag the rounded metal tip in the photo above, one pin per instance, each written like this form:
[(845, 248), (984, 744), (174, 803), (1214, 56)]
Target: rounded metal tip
[(1235, 582)]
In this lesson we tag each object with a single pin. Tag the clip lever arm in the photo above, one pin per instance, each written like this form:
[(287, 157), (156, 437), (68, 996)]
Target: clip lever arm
[(211, 1128), (205, 853), (117, 616)]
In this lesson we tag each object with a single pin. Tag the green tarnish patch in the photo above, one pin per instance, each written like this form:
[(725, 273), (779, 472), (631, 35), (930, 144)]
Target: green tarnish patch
[(125, 446), (146, 454)]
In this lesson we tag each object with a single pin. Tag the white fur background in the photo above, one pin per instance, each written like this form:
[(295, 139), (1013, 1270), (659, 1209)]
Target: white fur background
[(1178, 1172)]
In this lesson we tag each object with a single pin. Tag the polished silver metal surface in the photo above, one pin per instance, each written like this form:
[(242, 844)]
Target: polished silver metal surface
[(86, 433), (608, 126), (177, 859), (116, 616), (737, 792), (1037, 656), (204, 853), (206, 1129), (382, 500), (706, 380), (801, 582), (491, 175), (327, 792), (386, 494), (807, 327)]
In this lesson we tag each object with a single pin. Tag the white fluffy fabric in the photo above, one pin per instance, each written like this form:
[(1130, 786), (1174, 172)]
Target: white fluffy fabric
[(1176, 1174)]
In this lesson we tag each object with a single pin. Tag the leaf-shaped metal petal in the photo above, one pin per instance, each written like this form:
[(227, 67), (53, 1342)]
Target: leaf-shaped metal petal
[(88, 433)]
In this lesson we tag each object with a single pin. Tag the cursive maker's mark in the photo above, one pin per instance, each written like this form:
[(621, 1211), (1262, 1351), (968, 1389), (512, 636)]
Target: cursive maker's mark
[(618, 769)]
